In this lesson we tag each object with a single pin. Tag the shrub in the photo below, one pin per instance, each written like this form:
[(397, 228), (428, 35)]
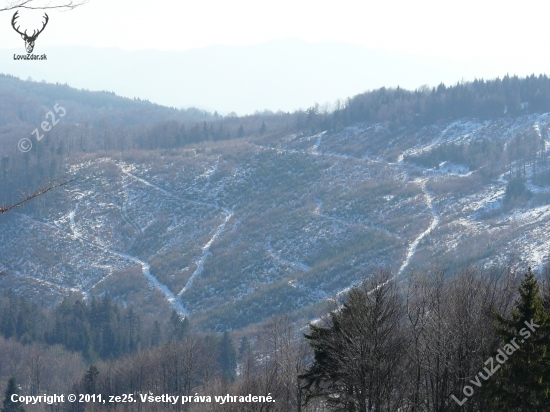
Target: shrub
[(516, 191)]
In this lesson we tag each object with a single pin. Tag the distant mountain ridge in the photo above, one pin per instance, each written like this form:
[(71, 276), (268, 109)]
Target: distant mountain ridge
[(277, 75), (22, 102)]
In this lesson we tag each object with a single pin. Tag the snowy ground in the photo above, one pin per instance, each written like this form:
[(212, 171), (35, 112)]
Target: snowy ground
[(274, 226)]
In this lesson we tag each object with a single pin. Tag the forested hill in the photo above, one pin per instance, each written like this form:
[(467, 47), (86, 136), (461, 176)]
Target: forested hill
[(98, 121), (480, 98), (26, 102), (509, 96), (22, 102)]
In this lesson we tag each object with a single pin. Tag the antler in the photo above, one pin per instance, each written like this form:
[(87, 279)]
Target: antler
[(34, 34), (15, 16)]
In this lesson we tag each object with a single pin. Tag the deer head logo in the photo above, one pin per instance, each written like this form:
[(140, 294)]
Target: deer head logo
[(29, 40)]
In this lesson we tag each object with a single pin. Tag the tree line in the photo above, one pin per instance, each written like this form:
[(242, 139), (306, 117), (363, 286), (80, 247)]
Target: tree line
[(476, 340), (99, 329), (435, 344), (101, 121)]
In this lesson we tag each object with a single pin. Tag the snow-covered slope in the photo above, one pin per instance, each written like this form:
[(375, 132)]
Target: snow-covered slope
[(238, 231)]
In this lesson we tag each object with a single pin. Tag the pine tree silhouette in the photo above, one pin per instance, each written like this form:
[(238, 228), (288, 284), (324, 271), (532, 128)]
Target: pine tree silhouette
[(523, 381), (8, 405)]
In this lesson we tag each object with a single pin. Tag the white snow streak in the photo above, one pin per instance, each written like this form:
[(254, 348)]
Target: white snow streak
[(169, 296), (412, 248), (205, 250), (145, 182)]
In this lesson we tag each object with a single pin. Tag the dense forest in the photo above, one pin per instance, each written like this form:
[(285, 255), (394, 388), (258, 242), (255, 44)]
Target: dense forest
[(476, 341), (99, 329)]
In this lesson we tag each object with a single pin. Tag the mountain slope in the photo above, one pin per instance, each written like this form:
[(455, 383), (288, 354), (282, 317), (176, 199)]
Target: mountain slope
[(233, 232)]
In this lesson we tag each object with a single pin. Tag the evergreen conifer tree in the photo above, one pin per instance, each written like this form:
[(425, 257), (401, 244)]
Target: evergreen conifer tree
[(357, 350), (157, 334), (263, 129), (8, 405), (89, 380), (240, 132), (228, 357), (132, 331), (244, 346), (179, 326), (523, 381)]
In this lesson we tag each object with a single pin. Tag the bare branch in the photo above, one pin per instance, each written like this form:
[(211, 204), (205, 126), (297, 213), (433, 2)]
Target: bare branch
[(44, 189), (32, 5), (26, 198)]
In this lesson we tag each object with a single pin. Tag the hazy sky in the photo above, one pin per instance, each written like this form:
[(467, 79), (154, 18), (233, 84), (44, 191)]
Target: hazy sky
[(501, 30), (504, 36)]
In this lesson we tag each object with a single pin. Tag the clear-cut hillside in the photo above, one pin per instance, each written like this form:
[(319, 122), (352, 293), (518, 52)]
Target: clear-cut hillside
[(233, 232)]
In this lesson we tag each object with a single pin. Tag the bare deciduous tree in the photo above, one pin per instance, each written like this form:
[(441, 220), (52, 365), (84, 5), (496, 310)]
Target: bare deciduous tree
[(285, 356), (451, 333)]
